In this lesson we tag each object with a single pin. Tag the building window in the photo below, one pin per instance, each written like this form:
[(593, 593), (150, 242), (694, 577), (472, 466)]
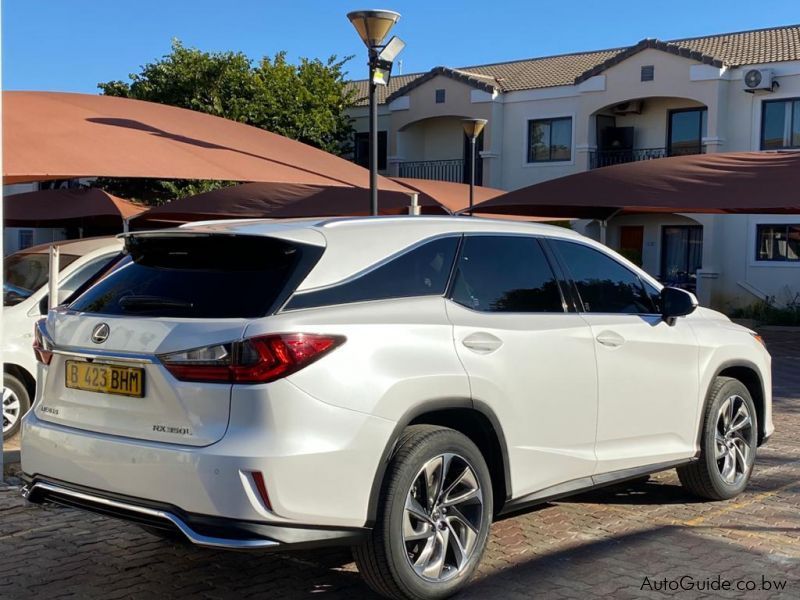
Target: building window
[(778, 243), (648, 73), (25, 239), (361, 150), (687, 128), (681, 255), (780, 124), (440, 95), (550, 140)]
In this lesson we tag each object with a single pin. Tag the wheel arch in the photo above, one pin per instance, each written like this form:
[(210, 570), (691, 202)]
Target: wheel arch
[(476, 421), (748, 374), (21, 373)]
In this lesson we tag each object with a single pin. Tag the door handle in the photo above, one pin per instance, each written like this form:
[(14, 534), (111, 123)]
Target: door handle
[(482, 342), (610, 338)]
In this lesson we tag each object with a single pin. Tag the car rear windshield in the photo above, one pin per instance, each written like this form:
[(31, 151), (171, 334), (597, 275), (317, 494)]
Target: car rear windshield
[(214, 276)]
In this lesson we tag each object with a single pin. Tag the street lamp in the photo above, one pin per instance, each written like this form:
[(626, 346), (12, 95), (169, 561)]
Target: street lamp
[(473, 128), (373, 26)]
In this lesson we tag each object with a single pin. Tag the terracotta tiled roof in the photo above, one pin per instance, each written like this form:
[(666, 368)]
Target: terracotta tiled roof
[(775, 44)]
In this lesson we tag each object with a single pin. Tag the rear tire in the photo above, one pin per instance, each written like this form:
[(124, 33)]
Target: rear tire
[(728, 443), (431, 531), (16, 402)]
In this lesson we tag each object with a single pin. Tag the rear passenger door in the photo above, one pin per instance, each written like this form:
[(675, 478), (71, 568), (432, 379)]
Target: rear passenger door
[(528, 359), (647, 369)]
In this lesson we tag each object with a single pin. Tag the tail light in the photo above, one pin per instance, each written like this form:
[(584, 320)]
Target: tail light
[(254, 360), (42, 347)]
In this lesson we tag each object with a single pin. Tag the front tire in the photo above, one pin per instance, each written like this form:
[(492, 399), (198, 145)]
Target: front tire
[(727, 445), (434, 515), (16, 402)]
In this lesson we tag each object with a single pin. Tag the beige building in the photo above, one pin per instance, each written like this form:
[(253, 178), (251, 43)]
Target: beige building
[(554, 116)]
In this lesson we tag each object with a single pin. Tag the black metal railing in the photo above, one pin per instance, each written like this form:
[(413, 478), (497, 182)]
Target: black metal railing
[(605, 158), (440, 170)]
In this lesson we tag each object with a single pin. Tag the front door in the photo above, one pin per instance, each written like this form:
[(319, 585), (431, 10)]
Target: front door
[(631, 243), (647, 369), (527, 358)]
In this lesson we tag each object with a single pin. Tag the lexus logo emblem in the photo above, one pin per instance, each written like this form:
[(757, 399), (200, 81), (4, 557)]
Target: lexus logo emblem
[(100, 333)]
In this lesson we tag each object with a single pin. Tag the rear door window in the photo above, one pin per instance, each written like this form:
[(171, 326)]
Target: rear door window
[(604, 285), (505, 274), (200, 277), (423, 270)]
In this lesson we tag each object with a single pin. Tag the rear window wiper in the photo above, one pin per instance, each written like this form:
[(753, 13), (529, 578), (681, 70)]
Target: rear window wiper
[(148, 302)]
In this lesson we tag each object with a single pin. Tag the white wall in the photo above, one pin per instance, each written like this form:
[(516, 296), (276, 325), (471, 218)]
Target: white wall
[(41, 235)]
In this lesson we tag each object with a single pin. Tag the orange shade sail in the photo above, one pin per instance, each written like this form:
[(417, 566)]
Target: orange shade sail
[(735, 182), (54, 135), (55, 208), (259, 200)]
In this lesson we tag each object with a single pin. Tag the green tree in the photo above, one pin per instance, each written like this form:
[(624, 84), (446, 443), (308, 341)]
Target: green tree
[(306, 102)]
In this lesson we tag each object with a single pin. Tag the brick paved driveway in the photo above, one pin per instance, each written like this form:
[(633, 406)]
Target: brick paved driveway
[(601, 544)]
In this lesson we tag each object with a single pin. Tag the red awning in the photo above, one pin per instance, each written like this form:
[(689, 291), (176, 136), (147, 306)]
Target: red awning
[(740, 182), (58, 208)]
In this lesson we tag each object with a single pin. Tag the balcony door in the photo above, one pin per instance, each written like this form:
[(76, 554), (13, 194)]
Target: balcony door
[(478, 159), (681, 255), (686, 130)]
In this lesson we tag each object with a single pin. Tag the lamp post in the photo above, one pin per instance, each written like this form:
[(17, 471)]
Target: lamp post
[(373, 26), (473, 128)]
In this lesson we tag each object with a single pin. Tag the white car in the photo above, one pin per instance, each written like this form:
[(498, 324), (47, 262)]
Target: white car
[(24, 303), (389, 383)]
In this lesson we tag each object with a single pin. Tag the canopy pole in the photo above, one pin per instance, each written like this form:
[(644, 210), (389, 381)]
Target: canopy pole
[(52, 300), (604, 225), (126, 225), (414, 209)]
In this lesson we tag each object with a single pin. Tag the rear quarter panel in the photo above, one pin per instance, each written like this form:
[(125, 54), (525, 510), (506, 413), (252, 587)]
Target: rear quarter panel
[(399, 354)]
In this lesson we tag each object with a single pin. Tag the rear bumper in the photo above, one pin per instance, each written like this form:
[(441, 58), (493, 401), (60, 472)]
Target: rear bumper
[(317, 462), (201, 530)]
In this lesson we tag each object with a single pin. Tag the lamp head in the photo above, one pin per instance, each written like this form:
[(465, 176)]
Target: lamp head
[(373, 25), (473, 127)]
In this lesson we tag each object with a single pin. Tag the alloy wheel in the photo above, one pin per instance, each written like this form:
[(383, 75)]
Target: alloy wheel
[(11, 409), (733, 440), (442, 518)]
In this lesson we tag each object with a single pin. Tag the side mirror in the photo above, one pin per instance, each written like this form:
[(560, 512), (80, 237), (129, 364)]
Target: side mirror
[(675, 303)]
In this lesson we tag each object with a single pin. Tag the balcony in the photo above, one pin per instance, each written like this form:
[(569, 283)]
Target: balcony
[(606, 158), (440, 170)]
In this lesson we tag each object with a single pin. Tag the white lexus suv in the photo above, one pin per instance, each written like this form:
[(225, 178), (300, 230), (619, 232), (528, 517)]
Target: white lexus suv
[(389, 383)]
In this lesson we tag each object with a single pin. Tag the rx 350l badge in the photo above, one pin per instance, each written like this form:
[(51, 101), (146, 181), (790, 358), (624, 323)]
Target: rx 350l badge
[(100, 333)]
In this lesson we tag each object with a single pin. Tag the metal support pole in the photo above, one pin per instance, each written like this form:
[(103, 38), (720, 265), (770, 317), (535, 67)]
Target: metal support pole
[(52, 300), (414, 209), (472, 174), (373, 136)]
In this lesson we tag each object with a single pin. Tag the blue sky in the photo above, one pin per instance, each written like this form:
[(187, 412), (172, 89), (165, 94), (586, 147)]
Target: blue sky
[(70, 45)]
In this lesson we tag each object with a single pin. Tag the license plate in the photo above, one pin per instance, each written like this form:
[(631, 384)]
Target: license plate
[(104, 378)]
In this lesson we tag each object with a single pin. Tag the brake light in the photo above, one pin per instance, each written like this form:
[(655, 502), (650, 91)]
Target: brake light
[(41, 346), (255, 360)]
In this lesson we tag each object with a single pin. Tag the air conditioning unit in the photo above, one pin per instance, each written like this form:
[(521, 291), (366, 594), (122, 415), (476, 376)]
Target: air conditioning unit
[(627, 108), (758, 79)]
